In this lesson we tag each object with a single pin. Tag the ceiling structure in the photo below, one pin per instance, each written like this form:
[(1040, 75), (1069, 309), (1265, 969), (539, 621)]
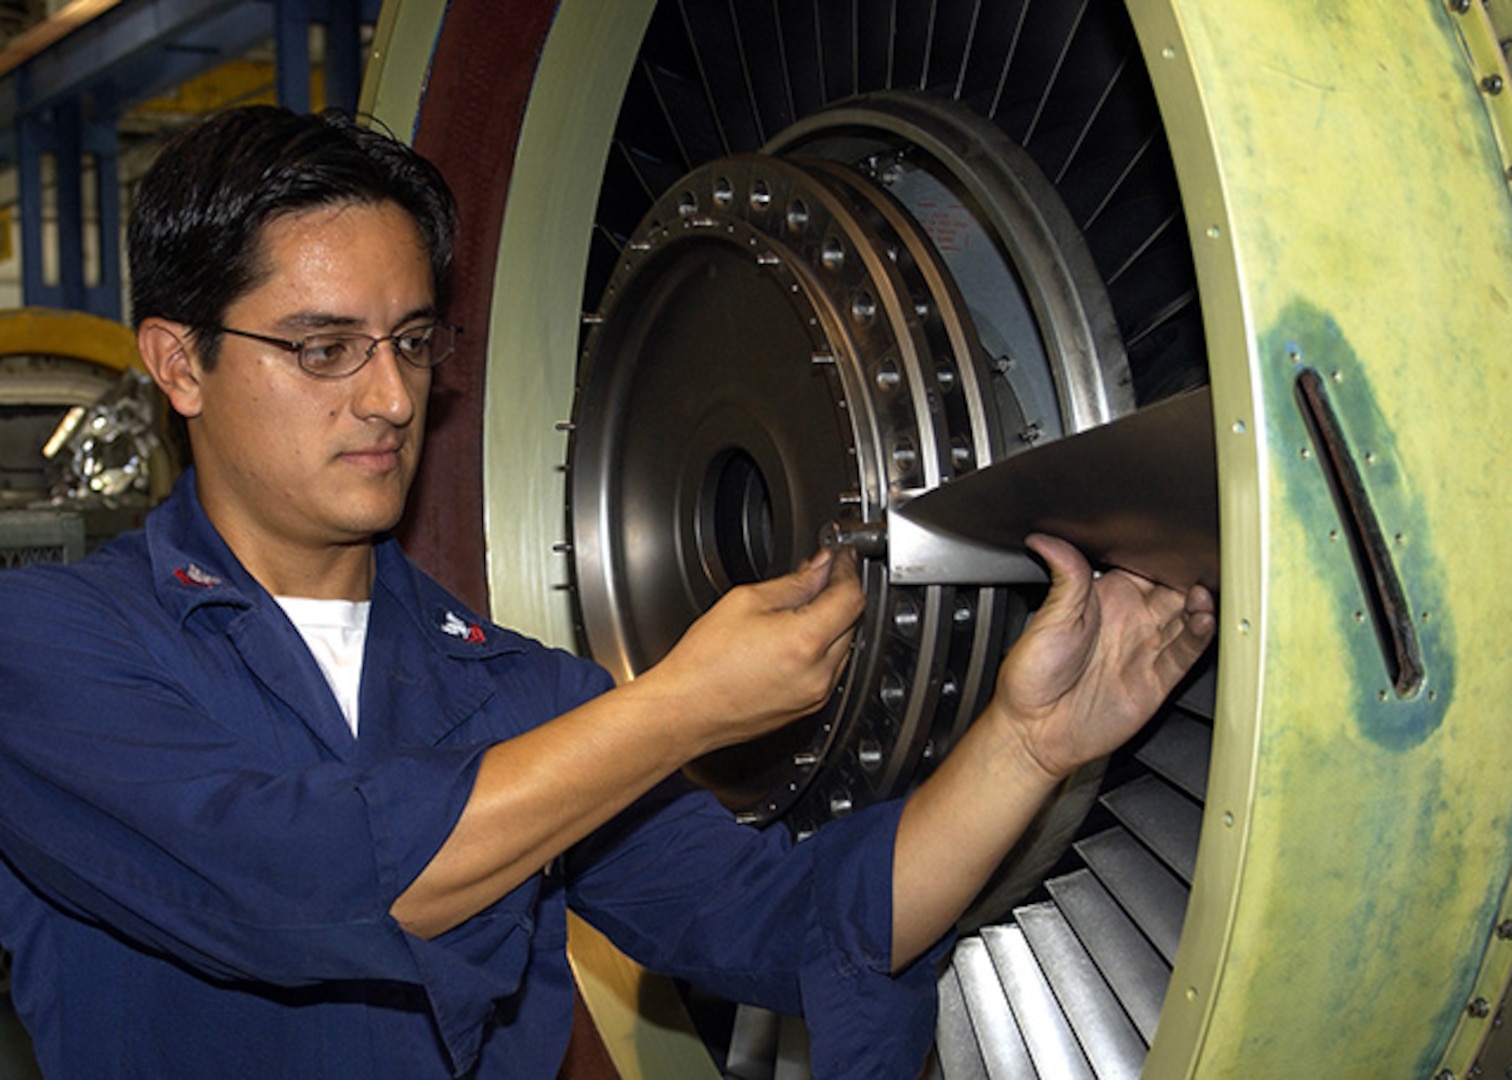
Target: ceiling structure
[(90, 88)]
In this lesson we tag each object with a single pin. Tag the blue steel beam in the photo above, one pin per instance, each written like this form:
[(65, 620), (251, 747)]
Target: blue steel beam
[(66, 101), (142, 47), (99, 142), (126, 33), (343, 57), (291, 51)]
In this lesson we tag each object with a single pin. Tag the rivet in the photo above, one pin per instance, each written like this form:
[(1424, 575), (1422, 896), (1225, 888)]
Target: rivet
[(1504, 930), (1492, 84), (1480, 1008), (1459, 7)]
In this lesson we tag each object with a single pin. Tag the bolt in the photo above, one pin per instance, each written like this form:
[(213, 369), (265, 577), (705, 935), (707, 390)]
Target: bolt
[(869, 539), (1459, 7), (1492, 84), (1480, 1008), (906, 619), (1504, 930)]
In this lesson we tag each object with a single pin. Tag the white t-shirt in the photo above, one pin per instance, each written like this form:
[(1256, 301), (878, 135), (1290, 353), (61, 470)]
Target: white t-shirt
[(336, 632)]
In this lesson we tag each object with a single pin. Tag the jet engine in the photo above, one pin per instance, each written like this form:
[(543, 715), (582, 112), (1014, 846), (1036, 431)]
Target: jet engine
[(729, 272)]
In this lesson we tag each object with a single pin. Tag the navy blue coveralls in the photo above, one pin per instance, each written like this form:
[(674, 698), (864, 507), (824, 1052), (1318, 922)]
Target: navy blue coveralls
[(199, 857)]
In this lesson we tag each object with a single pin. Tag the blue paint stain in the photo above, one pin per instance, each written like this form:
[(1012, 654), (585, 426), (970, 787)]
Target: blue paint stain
[(1303, 338)]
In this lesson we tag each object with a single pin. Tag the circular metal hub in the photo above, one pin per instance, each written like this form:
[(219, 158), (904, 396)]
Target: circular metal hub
[(788, 340)]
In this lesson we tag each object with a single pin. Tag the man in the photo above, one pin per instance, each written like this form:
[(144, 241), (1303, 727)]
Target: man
[(277, 805)]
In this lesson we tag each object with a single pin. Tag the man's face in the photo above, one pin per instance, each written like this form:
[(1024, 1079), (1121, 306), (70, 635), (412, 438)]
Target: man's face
[(288, 462)]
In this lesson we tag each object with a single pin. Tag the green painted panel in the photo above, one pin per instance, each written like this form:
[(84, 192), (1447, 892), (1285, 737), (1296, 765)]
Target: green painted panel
[(1359, 193)]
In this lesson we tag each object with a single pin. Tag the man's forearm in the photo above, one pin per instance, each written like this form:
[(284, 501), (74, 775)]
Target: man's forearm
[(955, 831), (537, 795), (760, 658)]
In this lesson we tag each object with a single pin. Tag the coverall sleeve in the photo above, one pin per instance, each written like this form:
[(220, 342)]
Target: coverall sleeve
[(193, 832), (801, 928)]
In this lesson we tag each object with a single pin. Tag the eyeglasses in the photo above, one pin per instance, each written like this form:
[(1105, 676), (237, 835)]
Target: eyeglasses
[(335, 356)]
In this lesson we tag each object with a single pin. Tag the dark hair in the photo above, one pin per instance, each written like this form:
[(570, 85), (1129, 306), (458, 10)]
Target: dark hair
[(194, 241)]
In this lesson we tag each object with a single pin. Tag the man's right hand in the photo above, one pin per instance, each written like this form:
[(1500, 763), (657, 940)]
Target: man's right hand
[(764, 655)]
